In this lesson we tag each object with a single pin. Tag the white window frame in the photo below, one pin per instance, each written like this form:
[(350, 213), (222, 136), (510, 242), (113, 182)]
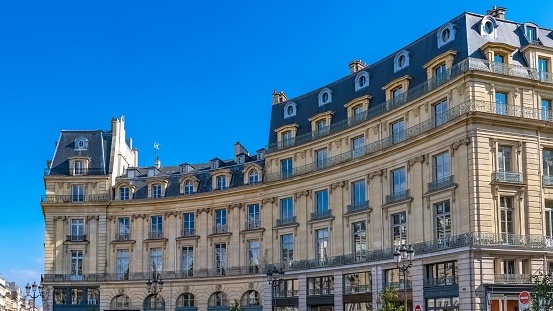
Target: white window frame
[(290, 110), (328, 92), (403, 54), (360, 75)]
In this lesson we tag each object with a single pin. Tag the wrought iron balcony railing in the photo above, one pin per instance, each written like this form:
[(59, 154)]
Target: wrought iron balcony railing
[(357, 289), (397, 196), (155, 235), (440, 183), (75, 198), (76, 238), (188, 232), (400, 285), (75, 171), (220, 228), (358, 207), (441, 281), (513, 279), (321, 214), (320, 291), (503, 176), (253, 224), (123, 237), (286, 221), (548, 180), (283, 293)]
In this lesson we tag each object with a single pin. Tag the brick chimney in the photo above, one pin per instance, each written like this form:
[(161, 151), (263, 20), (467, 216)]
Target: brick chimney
[(497, 12), (355, 66), (279, 97)]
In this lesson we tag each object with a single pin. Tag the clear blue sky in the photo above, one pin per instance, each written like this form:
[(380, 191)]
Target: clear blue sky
[(195, 76)]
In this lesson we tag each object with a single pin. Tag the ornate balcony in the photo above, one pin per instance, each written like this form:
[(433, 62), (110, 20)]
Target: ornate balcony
[(286, 221), (398, 196), (548, 180), (75, 198), (75, 171), (187, 232), (358, 207), (220, 228), (76, 238), (502, 176), (122, 237), (155, 235), (441, 281), (440, 183), (253, 225), (357, 289), (513, 279), (321, 214)]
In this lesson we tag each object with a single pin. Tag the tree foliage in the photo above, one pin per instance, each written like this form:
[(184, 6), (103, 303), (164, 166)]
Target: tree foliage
[(390, 300), (235, 306), (541, 293)]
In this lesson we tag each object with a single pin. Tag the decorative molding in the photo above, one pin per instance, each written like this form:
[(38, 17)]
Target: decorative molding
[(519, 147), (416, 111), (413, 161), (199, 211), (235, 205), (376, 173), (406, 117), (375, 130), (250, 286), (92, 217), (299, 194), (218, 287), (186, 288), (463, 141), (121, 291), (385, 125), (64, 218), (111, 217), (173, 213), (426, 107), (136, 216), (302, 154), (268, 200), (338, 143), (337, 184), (461, 89)]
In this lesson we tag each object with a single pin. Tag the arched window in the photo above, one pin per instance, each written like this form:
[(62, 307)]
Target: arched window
[(361, 80), (254, 177), (250, 298), (154, 302), (188, 187), (401, 60), (325, 96), (185, 300), (488, 26), (446, 34), (120, 302), (218, 299), (289, 110)]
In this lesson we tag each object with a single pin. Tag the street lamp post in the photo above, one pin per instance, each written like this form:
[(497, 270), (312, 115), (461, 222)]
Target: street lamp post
[(154, 287), (404, 260), (274, 276), (34, 295)]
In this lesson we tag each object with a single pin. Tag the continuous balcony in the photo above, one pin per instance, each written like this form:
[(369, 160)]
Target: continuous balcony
[(441, 183), (441, 281), (75, 171), (155, 235), (320, 291), (76, 238), (187, 232), (510, 177), (358, 289), (318, 215), (121, 237), (399, 285), (286, 221), (74, 198), (548, 180), (398, 196), (283, 293), (220, 228), (513, 279), (358, 207), (253, 225)]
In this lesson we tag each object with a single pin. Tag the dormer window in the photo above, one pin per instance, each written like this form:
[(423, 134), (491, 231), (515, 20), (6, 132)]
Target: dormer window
[(446, 34), (124, 190), (362, 80), (185, 168), (220, 179), (124, 193), (531, 32), (254, 177), (188, 187), (252, 173), (79, 168), (325, 96), (188, 184), (488, 26), (221, 182), (156, 191), (401, 60), (81, 143), (215, 164), (289, 110)]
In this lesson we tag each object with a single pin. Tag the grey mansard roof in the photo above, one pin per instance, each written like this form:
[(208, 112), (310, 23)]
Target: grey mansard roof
[(467, 43)]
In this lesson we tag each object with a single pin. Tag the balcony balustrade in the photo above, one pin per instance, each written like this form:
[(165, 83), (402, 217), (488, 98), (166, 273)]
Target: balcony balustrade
[(513, 279), (74, 198), (283, 293), (321, 214), (75, 171), (399, 285), (188, 232), (220, 228), (398, 196), (76, 237), (286, 221), (358, 207), (155, 235), (253, 224), (320, 291), (440, 183), (123, 237), (548, 180), (357, 289), (441, 281), (503, 176)]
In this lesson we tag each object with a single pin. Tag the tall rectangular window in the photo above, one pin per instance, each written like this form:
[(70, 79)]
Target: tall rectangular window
[(504, 157), (357, 144), (76, 264), (156, 191), (531, 34), (156, 260), (286, 139), (254, 221), (77, 230), (124, 193), (322, 285), (286, 168), (507, 215), (441, 166), (439, 72), (359, 239), (77, 193), (221, 182), (287, 248), (399, 229), (440, 112), (443, 220), (498, 61), (321, 244), (123, 264), (188, 225), (79, 168), (547, 158), (509, 267), (396, 94), (500, 103), (321, 207), (124, 229), (397, 131), (358, 112), (187, 261), (549, 220), (322, 127), (188, 188), (398, 181), (441, 274), (286, 209), (545, 111), (156, 228), (359, 282), (321, 156), (220, 258), (220, 220), (358, 191), (543, 68), (253, 255)]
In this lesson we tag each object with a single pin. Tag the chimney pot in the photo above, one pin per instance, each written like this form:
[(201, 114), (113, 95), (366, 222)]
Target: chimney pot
[(355, 66)]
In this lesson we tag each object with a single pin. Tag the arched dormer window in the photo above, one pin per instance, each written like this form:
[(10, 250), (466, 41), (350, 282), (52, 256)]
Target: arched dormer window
[(81, 143), (156, 188), (289, 110), (488, 27), (188, 184), (325, 96), (401, 60), (124, 190), (220, 179), (252, 174), (361, 80), (446, 34), (253, 177)]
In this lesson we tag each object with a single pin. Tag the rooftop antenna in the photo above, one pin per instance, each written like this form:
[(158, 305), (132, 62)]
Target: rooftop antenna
[(156, 148)]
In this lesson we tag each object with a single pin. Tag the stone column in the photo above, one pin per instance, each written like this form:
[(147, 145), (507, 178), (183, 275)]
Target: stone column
[(338, 291), (417, 279), (302, 292)]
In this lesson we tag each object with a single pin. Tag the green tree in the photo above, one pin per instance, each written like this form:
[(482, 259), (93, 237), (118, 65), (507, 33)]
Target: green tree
[(390, 300), (235, 306), (541, 293)]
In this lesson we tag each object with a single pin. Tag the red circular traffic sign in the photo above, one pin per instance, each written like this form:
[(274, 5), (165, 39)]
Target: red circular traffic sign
[(418, 308), (524, 297)]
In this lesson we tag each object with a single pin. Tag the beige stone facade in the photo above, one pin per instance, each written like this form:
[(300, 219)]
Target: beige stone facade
[(457, 167)]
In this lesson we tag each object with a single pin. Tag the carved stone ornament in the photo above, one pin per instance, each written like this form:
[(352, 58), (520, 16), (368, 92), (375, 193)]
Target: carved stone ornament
[(413, 161), (250, 286), (168, 214), (406, 118), (338, 143), (375, 130), (235, 205), (110, 217), (92, 217), (299, 194), (337, 184), (218, 287), (462, 141), (121, 291), (60, 218), (136, 216), (186, 288), (199, 211), (376, 173), (461, 89), (268, 200), (416, 111)]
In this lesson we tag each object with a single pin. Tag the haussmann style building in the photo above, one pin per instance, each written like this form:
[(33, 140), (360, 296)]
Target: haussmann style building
[(443, 147)]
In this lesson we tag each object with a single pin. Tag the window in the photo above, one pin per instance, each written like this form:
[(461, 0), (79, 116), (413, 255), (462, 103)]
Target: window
[(446, 34), (289, 110), (77, 230), (253, 222), (287, 288), (77, 193), (357, 144), (547, 155), (399, 229), (509, 267), (254, 177), (441, 167), (321, 245), (398, 181), (397, 131), (549, 220), (321, 156), (498, 64), (156, 229), (440, 110), (188, 187), (286, 139), (124, 230), (76, 264), (543, 68), (286, 168), (358, 190), (156, 260), (359, 239), (220, 258), (443, 221), (531, 34), (124, 193), (81, 143), (358, 112), (122, 264), (504, 157), (251, 298), (361, 80), (221, 182), (187, 261), (396, 94), (120, 302), (321, 127), (507, 215), (286, 210), (220, 221), (325, 96), (356, 283), (218, 299), (401, 60), (321, 203), (440, 72), (545, 111), (396, 280), (287, 249), (185, 300), (253, 256), (322, 285), (156, 191), (441, 274), (488, 27), (79, 168), (188, 226)]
